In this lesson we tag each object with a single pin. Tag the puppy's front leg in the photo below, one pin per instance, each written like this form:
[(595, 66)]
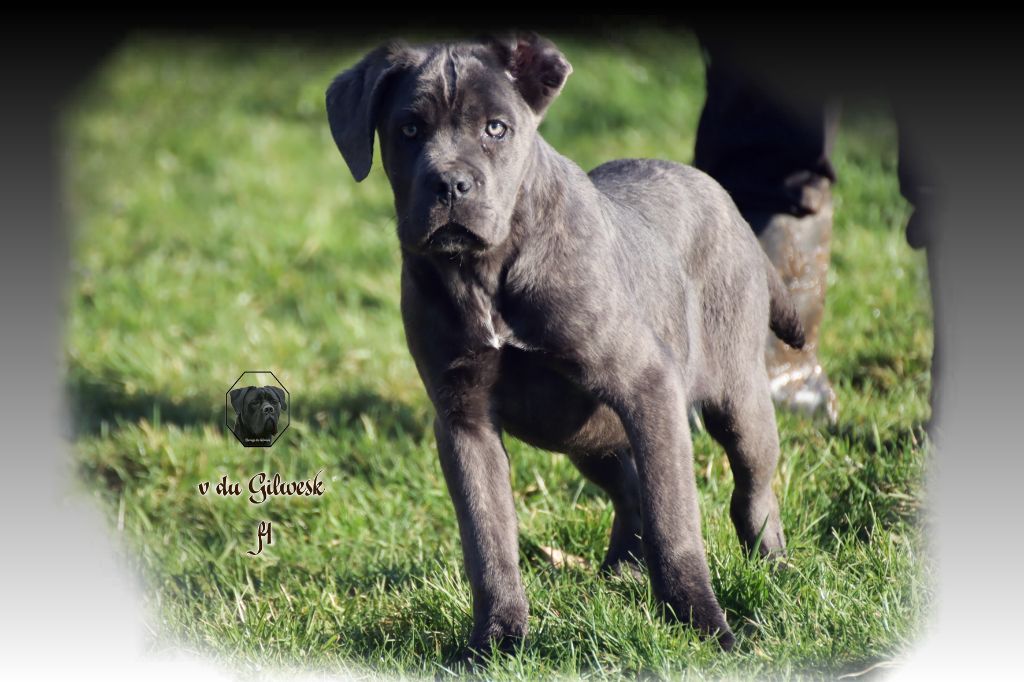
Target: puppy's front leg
[(476, 469)]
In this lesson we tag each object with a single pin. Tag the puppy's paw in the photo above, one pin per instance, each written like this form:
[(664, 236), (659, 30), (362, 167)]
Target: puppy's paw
[(625, 556), (714, 626), (760, 533), (626, 565), (781, 565), (705, 615), (726, 639), (768, 545), (497, 635)]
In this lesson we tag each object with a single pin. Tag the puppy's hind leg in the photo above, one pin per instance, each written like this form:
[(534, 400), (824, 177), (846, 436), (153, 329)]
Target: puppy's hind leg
[(744, 424), (615, 473)]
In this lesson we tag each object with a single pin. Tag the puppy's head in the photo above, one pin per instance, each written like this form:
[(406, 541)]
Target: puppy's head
[(259, 408), (457, 124)]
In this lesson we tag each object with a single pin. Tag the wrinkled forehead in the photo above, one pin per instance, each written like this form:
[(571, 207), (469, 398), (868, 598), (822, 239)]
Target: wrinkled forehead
[(260, 394), (459, 78)]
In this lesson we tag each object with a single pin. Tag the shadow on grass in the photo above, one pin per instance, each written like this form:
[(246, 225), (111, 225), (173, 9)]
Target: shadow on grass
[(369, 642), (865, 668), (882, 370), (419, 622), (343, 411), (94, 404), (882, 487)]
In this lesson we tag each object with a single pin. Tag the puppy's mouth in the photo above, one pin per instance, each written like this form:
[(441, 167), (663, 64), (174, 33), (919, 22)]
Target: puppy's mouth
[(453, 237)]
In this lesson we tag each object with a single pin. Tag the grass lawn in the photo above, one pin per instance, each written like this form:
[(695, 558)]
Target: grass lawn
[(216, 230)]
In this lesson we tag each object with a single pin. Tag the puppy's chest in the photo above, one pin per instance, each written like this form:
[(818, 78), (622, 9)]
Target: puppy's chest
[(494, 313), (496, 317), (496, 321)]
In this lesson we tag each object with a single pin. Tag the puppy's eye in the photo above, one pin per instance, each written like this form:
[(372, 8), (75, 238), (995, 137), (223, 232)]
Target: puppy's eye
[(410, 130), (496, 129)]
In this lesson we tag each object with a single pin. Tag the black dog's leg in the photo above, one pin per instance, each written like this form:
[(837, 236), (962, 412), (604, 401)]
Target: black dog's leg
[(653, 410), (476, 470), (745, 426), (615, 473)]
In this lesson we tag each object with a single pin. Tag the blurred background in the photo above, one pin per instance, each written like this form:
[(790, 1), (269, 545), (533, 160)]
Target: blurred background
[(216, 229)]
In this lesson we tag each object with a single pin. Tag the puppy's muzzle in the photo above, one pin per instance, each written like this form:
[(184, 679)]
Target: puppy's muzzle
[(453, 237)]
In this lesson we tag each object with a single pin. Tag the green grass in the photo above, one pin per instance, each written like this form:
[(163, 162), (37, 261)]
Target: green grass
[(217, 230)]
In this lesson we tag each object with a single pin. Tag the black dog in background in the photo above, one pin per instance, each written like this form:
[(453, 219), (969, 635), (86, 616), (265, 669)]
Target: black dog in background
[(258, 413)]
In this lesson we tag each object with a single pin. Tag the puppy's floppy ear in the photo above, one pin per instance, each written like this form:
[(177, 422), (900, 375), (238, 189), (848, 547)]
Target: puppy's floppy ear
[(237, 396), (279, 392), (536, 66), (353, 99)]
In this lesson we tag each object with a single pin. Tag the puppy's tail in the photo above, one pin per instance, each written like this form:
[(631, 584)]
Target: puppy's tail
[(783, 318)]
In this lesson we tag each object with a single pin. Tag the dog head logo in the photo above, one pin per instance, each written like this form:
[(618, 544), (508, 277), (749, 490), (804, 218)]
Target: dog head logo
[(260, 413)]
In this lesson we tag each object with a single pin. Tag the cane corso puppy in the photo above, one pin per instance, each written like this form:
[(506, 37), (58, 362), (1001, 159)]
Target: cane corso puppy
[(582, 313), (257, 413)]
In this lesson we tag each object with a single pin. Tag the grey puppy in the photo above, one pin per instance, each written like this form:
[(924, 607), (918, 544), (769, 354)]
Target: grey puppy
[(257, 413), (582, 313)]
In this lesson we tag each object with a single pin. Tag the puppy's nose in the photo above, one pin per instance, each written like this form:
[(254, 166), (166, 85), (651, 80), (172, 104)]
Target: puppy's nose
[(268, 409), (452, 186)]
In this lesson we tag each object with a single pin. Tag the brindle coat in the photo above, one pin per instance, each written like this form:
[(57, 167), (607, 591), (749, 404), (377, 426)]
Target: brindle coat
[(581, 313)]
